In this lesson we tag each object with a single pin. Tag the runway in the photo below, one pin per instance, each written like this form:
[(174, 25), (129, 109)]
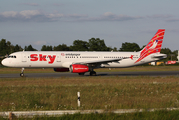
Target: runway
[(57, 74)]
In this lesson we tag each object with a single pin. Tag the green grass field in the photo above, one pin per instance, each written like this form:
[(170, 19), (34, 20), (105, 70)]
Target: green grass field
[(109, 93), (96, 93)]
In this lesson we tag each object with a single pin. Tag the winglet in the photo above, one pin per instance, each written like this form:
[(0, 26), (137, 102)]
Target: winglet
[(154, 46)]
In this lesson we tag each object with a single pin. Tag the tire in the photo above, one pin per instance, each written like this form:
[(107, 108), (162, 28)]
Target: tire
[(22, 74), (92, 73)]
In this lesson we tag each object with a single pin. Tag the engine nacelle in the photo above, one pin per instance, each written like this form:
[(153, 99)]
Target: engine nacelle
[(61, 69), (78, 68)]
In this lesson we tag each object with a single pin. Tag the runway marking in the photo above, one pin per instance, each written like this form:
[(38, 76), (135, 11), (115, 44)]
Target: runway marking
[(30, 114)]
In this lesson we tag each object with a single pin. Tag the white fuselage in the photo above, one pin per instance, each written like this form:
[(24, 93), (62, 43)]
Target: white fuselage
[(64, 59)]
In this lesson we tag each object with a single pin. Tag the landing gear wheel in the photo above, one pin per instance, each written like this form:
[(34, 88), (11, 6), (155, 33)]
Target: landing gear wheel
[(81, 73), (92, 73), (22, 72)]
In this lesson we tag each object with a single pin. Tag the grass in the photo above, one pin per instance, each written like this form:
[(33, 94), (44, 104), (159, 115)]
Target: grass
[(6, 70), (108, 93)]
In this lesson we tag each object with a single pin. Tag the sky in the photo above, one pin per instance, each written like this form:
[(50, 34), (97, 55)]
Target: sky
[(54, 22)]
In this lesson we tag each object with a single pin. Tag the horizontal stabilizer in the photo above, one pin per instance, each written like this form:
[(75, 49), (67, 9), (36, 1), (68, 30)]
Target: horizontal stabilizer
[(160, 56)]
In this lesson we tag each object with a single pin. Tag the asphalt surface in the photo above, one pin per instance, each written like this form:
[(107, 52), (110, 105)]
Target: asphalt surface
[(57, 74)]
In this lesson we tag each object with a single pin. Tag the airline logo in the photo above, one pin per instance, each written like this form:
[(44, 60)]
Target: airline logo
[(131, 57), (70, 54), (40, 57), (81, 68), (153, 46)]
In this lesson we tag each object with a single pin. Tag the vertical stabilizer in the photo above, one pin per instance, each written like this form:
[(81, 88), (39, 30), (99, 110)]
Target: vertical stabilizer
[(154, 46)]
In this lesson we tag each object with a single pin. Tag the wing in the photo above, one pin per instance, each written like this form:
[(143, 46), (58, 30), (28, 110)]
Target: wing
[(99, 61), (102, 61), (94, 62)]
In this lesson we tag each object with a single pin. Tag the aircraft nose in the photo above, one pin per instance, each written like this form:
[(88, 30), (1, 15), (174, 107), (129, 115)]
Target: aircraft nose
[(4, 62)]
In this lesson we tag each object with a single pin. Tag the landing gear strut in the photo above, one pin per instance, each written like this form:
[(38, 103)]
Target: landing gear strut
[(22, 72), (92, 73)]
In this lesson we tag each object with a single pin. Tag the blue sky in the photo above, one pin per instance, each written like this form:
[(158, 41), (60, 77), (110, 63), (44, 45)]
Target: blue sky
[(54, 22)]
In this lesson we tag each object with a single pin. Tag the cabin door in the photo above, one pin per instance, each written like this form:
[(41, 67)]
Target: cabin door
[(24, 57), (58, 58)]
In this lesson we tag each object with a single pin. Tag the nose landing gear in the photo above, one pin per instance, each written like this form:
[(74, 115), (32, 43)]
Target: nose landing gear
[(22, 72)]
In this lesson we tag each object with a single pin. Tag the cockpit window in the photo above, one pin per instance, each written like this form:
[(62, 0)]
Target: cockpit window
[(11, 56)]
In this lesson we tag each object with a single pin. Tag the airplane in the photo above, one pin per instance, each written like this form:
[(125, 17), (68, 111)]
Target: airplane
[(82, 62)]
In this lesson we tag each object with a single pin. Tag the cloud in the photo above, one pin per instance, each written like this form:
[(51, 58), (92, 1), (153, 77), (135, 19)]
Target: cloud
[(173, 20), (28, 15), (36, 16), (121, 17), (40, 16), (168, 18), (55, 15), (30, 4), (9, 14), (76, 16), (160, 16), (108, 16)]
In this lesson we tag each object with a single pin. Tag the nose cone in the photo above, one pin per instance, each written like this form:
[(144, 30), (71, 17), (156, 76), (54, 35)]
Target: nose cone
[(4, 62)]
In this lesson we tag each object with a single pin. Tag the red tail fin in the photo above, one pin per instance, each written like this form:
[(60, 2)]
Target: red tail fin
[(154, 46)]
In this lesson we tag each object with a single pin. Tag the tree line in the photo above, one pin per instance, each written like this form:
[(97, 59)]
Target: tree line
[(94, 44)]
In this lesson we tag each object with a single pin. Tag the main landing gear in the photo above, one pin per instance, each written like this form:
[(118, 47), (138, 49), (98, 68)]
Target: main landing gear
[(22, 72), (81, 73), (92, 73)]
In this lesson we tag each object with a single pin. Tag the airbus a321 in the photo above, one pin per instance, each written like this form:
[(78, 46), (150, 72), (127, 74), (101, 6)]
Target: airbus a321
[(82, 62)]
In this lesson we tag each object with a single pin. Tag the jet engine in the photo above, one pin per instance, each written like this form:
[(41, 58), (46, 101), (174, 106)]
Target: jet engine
[(61, 69), (78, 68)]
